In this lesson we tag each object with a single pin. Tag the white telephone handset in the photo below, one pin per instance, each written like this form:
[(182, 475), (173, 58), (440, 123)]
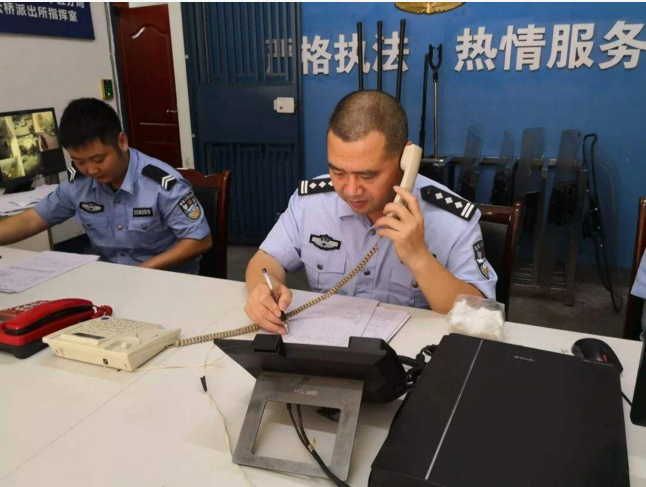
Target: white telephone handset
[(410, 165)]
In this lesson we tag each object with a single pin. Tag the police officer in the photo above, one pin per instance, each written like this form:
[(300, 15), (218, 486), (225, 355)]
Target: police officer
[(135, 209), (430, 253), (639, 289)]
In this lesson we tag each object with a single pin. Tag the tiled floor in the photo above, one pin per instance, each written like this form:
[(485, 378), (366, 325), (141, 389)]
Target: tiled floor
[(591, 313)]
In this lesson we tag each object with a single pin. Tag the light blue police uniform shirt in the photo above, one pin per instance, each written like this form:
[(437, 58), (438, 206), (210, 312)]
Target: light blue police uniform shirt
[(143, 218), (639, 289), (322, 233)]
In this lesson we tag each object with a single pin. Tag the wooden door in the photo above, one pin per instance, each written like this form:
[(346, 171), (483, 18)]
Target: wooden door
[(148, 81)]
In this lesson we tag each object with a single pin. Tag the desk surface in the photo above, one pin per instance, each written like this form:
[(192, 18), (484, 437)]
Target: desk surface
[(65, 422)]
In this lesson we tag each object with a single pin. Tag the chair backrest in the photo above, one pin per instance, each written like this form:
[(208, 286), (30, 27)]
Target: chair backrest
[(634, 305), (500, 227), (212, 192)]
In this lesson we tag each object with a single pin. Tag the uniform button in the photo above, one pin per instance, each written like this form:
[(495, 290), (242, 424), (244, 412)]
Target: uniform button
[(319, 267), (372, 231), (415, 285), (118, 201), (89, 225), (120, 227), (366, 272), (122, 254), (143, 227)]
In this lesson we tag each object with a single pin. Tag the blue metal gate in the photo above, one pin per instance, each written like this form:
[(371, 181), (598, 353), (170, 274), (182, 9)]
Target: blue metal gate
[(241, 57)]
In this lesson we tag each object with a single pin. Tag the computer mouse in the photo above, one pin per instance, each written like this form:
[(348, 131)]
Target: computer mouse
[(598, 350)]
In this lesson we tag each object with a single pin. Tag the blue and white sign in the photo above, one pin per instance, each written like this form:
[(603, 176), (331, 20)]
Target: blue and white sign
[(55, 19)]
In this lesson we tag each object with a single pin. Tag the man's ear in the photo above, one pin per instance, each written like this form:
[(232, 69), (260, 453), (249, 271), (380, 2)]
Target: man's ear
[(122, 142)]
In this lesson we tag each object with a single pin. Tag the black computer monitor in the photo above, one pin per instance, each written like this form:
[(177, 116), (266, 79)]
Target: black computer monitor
[(367, 359), (29, 147)]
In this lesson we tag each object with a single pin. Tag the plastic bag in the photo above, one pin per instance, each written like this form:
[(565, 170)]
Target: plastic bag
[(478, 317)]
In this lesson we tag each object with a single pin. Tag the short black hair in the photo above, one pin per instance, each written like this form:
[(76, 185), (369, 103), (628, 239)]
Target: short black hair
[(86, 120), (362, 112)]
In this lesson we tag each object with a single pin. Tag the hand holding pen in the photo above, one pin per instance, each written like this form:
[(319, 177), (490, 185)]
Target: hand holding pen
[(283, 317)]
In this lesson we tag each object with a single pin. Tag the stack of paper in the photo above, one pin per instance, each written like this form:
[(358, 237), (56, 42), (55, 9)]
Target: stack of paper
[(41, 268), (11, 204), (333, 321)]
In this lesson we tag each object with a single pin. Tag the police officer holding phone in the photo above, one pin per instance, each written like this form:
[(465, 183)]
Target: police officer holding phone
[(432, 248)]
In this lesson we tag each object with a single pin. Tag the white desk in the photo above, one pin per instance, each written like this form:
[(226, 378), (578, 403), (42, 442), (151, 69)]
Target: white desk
[(75, 424)]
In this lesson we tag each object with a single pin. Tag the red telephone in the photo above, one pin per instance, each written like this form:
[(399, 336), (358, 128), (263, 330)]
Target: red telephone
[(23, 327)]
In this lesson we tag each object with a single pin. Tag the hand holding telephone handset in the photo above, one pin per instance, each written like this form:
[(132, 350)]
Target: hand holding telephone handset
[(23, 327), (409, 163)]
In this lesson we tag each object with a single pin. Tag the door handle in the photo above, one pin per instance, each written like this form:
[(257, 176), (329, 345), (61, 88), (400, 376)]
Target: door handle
[(171, 111)]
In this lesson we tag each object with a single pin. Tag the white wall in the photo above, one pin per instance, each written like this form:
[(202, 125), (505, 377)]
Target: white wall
[(181, 84), (39, 71)]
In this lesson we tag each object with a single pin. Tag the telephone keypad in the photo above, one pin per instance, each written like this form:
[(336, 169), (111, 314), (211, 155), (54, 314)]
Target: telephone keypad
[(109, 327)]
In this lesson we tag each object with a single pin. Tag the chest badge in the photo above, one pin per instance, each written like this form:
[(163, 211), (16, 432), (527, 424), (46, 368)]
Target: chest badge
[(325, 242), (142, 212), (91, 207)]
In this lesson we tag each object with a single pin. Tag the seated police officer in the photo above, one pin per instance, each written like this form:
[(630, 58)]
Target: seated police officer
[(135, 209), (431, 253)]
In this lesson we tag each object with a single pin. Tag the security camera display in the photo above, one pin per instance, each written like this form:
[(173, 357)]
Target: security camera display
[(29, 145)]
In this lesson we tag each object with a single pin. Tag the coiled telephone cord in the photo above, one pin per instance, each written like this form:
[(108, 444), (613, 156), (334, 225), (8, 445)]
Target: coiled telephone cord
[(251, 328)]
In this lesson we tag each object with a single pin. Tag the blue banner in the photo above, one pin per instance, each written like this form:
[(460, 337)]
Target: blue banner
[(56, 19)]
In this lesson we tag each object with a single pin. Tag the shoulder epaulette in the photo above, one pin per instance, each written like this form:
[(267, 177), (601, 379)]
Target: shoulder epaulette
[(314, 186), (73, 173), (165, 180), (447, 201)]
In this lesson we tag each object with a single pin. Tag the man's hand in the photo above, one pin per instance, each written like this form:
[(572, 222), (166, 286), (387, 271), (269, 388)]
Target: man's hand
[(406, 232), (262, 309)]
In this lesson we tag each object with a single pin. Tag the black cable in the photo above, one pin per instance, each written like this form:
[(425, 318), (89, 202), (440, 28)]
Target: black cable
[(603, 268), (300, 431), (627, 400), (416, 365)]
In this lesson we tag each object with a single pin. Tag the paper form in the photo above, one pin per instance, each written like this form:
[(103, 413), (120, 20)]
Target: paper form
[(385, 323), (41, 268), (331, 322)]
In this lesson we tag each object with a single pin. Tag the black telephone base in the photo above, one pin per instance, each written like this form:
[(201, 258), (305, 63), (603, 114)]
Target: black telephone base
[(23, 351)]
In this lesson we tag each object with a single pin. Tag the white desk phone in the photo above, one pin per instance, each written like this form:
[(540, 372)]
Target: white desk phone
[(125, 344), (112, 342)]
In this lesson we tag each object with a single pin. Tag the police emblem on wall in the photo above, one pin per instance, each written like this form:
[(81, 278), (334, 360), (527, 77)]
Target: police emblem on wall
[(481, 260), (325, 242), (190, 206)]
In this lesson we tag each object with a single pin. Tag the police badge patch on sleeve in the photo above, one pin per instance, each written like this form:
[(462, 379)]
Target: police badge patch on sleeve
[(190, 206), (325, 242), (481, 260)]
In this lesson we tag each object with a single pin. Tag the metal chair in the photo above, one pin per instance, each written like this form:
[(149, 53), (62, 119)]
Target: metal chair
[(634, 305), (500, 227), (212, 192)]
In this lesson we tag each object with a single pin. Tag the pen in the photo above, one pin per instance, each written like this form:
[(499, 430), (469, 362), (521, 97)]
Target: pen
[(283, 318)]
